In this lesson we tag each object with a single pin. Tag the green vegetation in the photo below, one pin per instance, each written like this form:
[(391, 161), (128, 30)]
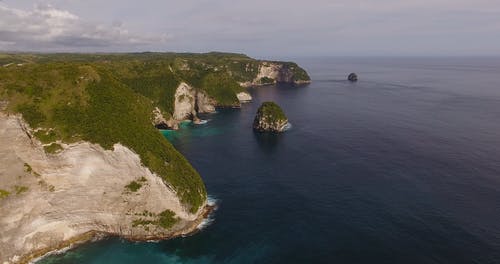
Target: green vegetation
[(52, 148), (165, 219), (46, 137), (146, 213), (156, 83), (4, 194), (266, 80), (45, 185), (133, 186), (20, 189), (142, 222), (109, 98), (272, 112), (299, 74), (222, 87), (27, 168), (32, 113)]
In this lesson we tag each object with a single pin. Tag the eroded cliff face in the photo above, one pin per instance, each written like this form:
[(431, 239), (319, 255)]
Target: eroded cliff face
[(159, 120), (185, 102), (50, 199), (204, 103), (244, 97), (188, 102), (272, 71), (263, 124), (275, 72)]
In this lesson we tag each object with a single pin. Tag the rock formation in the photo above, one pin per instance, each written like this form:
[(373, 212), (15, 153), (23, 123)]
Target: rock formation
[(278, 72), (353, 77), (270, 118), (204, 103), (188, 103), (185, 102), (272, 72), (159, 120), (244, 97)]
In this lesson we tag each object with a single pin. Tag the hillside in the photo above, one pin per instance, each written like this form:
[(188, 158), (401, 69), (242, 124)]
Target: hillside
[(156, 75)]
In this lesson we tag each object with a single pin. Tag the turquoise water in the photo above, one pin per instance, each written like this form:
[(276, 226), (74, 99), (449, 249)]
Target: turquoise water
[(189, 129), (401, 167)]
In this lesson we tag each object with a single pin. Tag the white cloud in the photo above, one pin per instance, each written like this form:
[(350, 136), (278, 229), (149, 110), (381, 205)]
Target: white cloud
[(257, 27), (46, 28)]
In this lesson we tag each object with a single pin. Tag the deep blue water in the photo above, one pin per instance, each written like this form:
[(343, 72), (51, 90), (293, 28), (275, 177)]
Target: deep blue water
[(401, 167)]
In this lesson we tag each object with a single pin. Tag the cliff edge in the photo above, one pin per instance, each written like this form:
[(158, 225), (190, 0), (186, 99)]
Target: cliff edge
[(52, 200)]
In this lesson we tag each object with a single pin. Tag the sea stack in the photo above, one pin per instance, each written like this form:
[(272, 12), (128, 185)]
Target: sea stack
[(353, 77), (270, 118)]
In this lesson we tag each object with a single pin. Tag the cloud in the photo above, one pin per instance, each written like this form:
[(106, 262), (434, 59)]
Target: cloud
[(258, 27), (46, 28)]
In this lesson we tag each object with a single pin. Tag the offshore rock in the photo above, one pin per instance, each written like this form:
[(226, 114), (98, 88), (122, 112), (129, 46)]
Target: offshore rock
[(244, 97), (270, 118), (353, 77)]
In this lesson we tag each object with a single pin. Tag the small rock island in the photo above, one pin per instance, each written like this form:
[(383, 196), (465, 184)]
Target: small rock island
[(353, 77), (270, 118)]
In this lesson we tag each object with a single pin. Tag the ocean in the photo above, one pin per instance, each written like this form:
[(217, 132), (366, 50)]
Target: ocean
[(401, 167)]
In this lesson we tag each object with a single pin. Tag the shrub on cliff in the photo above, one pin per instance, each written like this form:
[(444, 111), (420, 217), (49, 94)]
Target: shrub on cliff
[(222, 88)]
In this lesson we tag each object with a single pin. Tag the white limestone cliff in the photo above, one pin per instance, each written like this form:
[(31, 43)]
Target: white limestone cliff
[(54, 199)]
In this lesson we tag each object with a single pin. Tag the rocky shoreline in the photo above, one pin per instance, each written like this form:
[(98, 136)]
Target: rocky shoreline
[(190, 101), (92, 236), (52, 201), (69, 182)]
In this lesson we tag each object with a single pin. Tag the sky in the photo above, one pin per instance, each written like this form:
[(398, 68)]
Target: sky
[(259, 28)]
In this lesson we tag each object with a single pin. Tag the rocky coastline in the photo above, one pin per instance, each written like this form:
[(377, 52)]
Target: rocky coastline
[(92, 236), (72, 177), (190, 101), (53, 200)]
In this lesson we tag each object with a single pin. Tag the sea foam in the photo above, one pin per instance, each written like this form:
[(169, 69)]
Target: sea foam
[(211, 201)]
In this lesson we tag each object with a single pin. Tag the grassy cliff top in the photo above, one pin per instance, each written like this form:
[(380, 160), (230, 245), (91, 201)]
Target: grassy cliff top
[(272, 112), (74, 101), (157, 75)]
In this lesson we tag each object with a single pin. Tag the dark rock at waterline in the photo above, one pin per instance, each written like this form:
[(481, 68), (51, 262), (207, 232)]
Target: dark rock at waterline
[(162, 126), (353, 77)]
